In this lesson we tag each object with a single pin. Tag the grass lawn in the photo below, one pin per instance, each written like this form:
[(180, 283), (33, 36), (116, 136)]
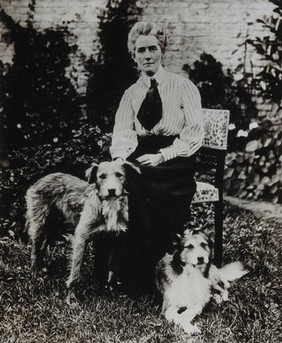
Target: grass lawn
[(35, 311)]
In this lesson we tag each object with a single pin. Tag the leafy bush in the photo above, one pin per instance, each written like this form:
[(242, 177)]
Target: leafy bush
[(220, 90), (255, 173), (264, 148), (38, 103), (269, 80), (27, 165), (42, 126), (253, 168), (260, 166)]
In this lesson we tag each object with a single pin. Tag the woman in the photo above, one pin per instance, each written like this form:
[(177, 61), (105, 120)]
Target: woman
[(158, 126)]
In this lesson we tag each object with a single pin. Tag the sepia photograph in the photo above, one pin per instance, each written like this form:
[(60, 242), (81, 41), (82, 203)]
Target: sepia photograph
[(140, 171)]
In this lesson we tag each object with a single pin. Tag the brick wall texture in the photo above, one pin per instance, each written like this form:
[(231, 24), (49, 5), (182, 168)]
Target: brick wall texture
[(217, 27)]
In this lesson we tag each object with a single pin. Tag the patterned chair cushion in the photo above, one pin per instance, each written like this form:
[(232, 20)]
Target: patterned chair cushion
[(216, 124), (205, 193)]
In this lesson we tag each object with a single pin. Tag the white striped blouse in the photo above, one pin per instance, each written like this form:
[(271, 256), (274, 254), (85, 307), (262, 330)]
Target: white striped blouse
[(182, 116)]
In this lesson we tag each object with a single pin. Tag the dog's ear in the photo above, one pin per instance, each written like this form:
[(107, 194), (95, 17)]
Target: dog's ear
[(176, 263), (130, 166), (210, 244), (177, 240), (175, 243), (210, 241), (132, 177), (91, 172), (207, 270)]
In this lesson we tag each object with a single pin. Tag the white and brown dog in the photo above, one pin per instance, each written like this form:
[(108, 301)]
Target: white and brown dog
[(101, 204), (187, 280)]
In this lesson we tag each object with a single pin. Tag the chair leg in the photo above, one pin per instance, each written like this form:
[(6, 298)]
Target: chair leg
[(218, 240)]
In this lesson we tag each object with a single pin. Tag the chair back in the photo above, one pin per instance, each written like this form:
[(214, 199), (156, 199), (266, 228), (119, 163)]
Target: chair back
[(216, 123), (210, 158), (210, 161)]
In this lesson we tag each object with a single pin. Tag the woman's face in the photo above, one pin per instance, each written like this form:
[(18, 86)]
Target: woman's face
[(148, 54)]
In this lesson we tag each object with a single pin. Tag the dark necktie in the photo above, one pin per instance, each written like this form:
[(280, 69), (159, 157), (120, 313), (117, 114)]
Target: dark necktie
[(150, 111)]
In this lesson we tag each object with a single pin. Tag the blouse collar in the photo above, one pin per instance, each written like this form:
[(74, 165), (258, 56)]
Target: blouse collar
[(158, 76)]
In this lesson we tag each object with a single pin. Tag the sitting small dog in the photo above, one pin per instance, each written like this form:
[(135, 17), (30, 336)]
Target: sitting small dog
[(101, 204), (186, 279)]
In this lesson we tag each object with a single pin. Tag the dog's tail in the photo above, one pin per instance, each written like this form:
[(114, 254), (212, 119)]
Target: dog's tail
[(232, 271)]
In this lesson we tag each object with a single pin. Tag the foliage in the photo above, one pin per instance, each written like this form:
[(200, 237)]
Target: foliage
[(269, 80), (38, 103), (256, 172), (220, 90), (34, 309), (114, 71), (254, 161), (27, 165)]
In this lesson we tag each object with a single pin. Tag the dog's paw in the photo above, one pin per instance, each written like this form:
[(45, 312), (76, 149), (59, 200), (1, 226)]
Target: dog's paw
[(190, 329), (170, 314), (71, 299), (225, 296), (217, 298), (71, 284)]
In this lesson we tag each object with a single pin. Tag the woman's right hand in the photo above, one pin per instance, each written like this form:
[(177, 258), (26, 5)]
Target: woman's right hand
[(151, 160)]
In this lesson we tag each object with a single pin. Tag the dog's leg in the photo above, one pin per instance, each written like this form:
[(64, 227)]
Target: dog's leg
[(220, 293), (36, 220), (183, 319), (165, 306), (110, 269), (170, 313), (82, 233), (114, 263), (76, 259), (187, 316)]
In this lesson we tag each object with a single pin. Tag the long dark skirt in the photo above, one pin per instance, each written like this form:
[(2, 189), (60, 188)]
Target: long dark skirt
[(159, 207)]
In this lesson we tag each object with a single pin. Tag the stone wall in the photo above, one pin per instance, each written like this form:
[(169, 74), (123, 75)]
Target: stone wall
[(216, 27), (79, 17)]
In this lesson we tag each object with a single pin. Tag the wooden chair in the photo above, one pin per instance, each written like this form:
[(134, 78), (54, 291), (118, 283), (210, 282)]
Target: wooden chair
[(210, 162)]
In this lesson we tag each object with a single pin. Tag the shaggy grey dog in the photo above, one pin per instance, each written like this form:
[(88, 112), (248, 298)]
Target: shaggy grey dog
[(88, 207)]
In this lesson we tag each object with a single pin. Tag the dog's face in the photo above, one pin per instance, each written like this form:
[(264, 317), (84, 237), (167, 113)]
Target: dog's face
[(196, 250), (110, 177)]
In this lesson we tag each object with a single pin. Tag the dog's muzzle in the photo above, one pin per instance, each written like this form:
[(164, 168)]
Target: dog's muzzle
[(112, 193), (201, 260)]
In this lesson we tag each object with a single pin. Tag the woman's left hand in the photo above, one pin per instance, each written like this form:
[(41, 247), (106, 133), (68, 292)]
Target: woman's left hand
[(151, 159)]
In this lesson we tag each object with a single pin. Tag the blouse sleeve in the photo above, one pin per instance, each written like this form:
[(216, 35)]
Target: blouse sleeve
[(191, 136), (124, 140)]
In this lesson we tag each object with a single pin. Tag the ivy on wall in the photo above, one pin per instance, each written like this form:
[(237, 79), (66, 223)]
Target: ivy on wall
[(114, 71), (38, 103), (220, 90), (263, 152), (254, 162), (268, 81)]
